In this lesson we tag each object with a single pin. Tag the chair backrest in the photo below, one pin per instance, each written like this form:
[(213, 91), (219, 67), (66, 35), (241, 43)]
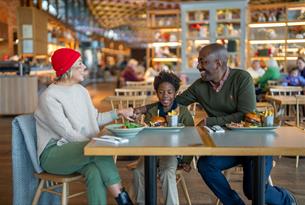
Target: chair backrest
[(138, 83), (147, 89), (25, 162), (273, 83), (129, 92), (285, 90), (119, 102)]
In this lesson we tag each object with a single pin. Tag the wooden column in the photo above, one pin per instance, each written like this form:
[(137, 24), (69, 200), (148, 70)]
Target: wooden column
[(18, 94)]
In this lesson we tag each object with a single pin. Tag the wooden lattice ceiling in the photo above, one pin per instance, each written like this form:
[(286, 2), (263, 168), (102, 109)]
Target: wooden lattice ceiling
[(116, 13), (131, 14)]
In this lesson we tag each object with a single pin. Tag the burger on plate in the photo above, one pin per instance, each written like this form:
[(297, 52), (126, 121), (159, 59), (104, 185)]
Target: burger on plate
[(253, 119), (157, 121)]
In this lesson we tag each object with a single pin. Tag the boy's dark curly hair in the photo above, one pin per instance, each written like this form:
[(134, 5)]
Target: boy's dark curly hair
[(168, 77)]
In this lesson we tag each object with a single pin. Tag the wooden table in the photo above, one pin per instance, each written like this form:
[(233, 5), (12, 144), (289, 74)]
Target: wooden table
[(196, 141), (287, 100)]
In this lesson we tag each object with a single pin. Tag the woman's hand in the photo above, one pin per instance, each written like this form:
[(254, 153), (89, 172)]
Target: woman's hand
[(126, 113)]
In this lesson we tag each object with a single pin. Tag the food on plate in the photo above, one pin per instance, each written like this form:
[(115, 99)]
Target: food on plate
[(128, 125), (241, 124), (253, 118), (157, 121), (172, 113)]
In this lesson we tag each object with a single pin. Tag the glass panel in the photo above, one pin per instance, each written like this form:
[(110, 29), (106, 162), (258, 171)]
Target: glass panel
[(233, 48), (228, 29), (295, 50), (198, 16), (198, 31), (166, 20), (61, 10), (228, 14), (268, 33), (171, 35), (268, 15), (52, 7), (296, 32), (45, 5), (267, 50)]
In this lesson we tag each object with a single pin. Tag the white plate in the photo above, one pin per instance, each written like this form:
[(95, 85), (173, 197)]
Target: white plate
[(251, 128), (123, 132)]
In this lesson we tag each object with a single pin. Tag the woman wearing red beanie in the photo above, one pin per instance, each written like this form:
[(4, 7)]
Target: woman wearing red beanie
[(65, 120)]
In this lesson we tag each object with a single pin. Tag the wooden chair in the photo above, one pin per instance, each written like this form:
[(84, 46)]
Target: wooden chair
[(148, 89), (273, 83), (50, 182), (179, 180), (285, 91), (288, 91), (129, 92), (138, 83)]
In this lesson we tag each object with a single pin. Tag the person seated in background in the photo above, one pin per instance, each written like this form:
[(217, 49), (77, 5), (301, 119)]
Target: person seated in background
[(294, 78), (301, 65), (129, 73), (255, 70), (154, 71), (166, 85), (272, 73), (66, 120)]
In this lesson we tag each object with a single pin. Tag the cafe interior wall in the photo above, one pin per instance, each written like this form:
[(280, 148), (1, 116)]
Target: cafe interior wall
[(8, 20)]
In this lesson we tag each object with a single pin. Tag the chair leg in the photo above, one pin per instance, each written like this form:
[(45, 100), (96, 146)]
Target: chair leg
[(297, 162), (184, 188), (194, 161), (65, 193), (38, 192), (270, 181)]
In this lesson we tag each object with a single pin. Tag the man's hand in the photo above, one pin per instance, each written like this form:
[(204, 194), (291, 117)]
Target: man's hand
[(203, 122)]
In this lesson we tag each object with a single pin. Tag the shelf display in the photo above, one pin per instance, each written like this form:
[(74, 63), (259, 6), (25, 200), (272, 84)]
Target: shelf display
[(209, 22), (277, 31), (165, 42)]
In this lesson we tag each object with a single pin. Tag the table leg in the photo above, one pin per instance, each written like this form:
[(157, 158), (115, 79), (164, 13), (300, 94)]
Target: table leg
[(298, 113), (150, 180), (258, 179)]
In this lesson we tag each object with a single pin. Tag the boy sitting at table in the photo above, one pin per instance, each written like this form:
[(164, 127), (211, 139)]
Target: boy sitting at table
[(166, 85)]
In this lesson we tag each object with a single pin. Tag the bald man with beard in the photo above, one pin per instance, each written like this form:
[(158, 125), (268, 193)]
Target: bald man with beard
[(226, 95)]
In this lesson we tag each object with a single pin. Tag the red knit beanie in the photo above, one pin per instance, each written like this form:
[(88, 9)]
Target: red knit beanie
[(63, 59)]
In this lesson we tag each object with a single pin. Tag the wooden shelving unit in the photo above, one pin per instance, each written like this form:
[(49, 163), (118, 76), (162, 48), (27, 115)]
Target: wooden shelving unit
[(165, 46), (277, 31)]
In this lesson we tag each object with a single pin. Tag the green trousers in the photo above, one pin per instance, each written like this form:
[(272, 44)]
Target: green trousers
[(99, 172)]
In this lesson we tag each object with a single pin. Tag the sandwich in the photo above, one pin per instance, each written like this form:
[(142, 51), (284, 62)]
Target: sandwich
[(157, 121), (253, 119)]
